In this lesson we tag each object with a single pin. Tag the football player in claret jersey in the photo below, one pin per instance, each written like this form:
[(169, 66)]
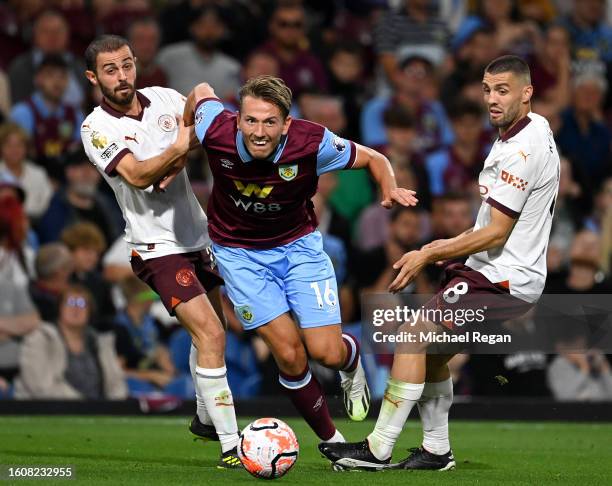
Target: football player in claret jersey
[(504, 274), (134, 138), (261, 220)]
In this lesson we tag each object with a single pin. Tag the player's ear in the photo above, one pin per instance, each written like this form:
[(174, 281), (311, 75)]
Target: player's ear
[(91, 76), (527, 93), (288, 121)]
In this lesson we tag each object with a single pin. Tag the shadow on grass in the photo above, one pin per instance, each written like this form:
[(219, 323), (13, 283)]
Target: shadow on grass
[(167, 461), (468, 465)]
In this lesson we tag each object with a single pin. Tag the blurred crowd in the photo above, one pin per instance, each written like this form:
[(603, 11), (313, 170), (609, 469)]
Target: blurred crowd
[(401, 76)]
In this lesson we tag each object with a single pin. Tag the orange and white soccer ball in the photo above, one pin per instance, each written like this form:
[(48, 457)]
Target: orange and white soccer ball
[(268, 448)]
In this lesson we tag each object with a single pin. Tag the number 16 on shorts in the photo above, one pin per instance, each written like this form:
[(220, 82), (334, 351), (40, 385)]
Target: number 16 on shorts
[(325, 293)]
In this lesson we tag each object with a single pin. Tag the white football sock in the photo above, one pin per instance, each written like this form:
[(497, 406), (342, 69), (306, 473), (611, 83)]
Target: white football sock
[(213, 390), (337, 437), (399, 399), (200, 405), (434, 405)]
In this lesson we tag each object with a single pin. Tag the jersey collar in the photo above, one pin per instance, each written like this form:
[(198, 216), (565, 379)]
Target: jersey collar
[(519, 125), (246, 157), (142, 99)]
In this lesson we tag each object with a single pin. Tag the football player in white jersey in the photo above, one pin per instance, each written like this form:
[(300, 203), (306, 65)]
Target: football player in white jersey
[(135, 138), (506, 265)]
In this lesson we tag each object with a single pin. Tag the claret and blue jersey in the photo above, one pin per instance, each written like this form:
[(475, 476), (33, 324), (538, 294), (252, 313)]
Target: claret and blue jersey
[(262, 222), (265, 203)]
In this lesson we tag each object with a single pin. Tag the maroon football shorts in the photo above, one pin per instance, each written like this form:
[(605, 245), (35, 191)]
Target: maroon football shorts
[(468, 293), (177, 278)]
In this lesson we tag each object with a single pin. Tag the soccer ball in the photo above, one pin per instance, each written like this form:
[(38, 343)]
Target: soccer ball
[(268, 448)]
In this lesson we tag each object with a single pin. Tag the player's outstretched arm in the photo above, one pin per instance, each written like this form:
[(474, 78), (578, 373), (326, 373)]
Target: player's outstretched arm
[(382, 172), (143, 173), (493, 235), (200, 92)]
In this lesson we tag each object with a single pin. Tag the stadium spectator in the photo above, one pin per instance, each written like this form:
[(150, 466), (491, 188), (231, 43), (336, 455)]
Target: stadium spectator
[(188, 63), (116, 263), (245, 20), (373, 223), (401, 131), (86, 243), (452, 214), (331, 222), (375, 271), (53, 266), (18, 316), (113, 17), (412, 25), (591, 36), (456, 168), (551, 68), (602, 207), (346, 73), (32, 178), (472, 52), (50, 35), (143, 355), (519, 373), (542, 12), (414, 79), (79, 200), (511, 35), (584, 274), (15, 20), (70, 361), (144, 37), (51, 123), (584, 136), (260, 63), (353, 191), (566, 220), (300, 68), (579, 373), (5, 96)]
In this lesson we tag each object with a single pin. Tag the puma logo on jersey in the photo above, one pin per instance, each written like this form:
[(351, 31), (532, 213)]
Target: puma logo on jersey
[(249, 189), (524, 155), (513, 180), (128, 138)]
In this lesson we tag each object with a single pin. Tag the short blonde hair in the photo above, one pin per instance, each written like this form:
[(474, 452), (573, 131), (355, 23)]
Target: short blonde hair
[(270, 89)]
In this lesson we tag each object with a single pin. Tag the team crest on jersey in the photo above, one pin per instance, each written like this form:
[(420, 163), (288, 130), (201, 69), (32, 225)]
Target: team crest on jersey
[(339, 144), (166, 122), (198, 117), (288, 172), (227, 164), (245, 312), (185, 277), (98, 140)]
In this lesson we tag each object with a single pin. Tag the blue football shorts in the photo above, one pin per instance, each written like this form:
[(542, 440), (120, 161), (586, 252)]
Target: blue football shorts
[(296, 277)]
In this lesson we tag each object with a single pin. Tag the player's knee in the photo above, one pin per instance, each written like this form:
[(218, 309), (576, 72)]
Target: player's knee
[(209, 332), (291, 359), (329, 356)]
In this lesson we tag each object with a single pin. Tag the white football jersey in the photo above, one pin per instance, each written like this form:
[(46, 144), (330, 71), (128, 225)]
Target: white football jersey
[(520, 177), (157, 224)]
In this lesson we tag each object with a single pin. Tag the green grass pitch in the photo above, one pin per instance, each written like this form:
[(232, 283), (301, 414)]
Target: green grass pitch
[(159, 450)]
